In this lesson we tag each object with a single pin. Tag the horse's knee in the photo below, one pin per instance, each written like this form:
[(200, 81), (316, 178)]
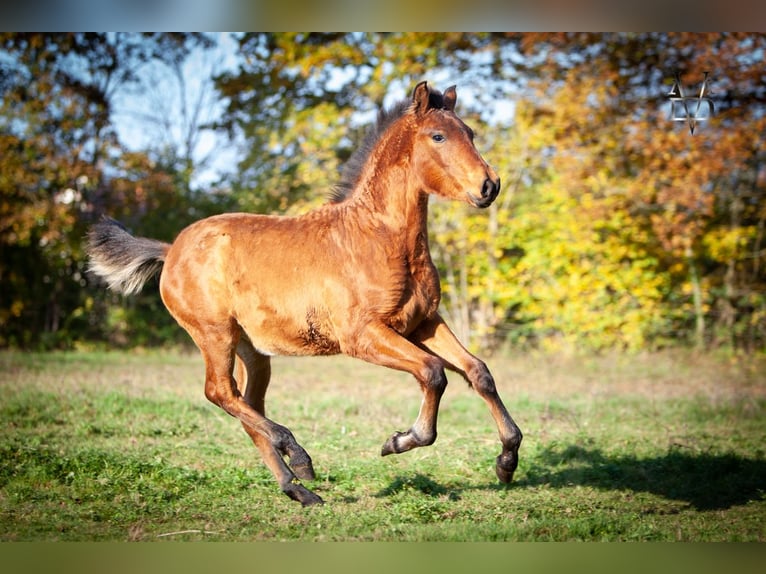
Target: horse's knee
[(223, 395), (481, 379), (434, 378)]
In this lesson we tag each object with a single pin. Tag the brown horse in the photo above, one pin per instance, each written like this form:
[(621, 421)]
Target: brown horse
[(353, 277)]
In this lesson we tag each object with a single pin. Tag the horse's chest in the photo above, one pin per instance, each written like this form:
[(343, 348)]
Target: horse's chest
[(417, 298)]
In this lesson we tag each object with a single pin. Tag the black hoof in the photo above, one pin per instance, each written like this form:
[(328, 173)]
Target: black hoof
[(505, 466), (311, 499), (303, 471), (302, 494), (300, 463)]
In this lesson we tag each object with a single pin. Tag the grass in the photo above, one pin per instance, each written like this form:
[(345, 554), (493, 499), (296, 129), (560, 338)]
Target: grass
[(124, 446)]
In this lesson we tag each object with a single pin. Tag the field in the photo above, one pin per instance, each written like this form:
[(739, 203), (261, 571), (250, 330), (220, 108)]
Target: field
[(125, 447)]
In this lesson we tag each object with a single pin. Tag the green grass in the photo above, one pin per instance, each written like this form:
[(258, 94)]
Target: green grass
[(120, 446)]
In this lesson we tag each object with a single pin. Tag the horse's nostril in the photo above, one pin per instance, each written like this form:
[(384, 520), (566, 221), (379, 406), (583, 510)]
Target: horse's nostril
[(489, 188)]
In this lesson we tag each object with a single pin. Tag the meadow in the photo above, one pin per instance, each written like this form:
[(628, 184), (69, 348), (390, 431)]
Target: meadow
[(123, 446)]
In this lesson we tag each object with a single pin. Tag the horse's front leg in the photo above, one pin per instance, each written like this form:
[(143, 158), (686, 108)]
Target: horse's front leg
[(381, 345), (435, 336)]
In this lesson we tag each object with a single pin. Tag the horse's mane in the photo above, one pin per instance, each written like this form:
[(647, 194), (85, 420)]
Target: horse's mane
[(352, 169)]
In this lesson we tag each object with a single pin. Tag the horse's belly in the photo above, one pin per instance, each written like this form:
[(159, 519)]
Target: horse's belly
[(273, 332)]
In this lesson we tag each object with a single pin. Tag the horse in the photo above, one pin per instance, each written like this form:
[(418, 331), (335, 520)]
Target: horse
[(354, 276)]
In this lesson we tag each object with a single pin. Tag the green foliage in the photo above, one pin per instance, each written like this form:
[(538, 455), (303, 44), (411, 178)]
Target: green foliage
[(580, 281)]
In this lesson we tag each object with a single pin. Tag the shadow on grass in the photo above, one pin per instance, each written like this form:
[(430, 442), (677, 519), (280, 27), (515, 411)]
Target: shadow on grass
[(419, 482), (705, 481)]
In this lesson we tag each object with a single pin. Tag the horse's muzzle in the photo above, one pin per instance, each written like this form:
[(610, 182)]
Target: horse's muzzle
[(489, 190)]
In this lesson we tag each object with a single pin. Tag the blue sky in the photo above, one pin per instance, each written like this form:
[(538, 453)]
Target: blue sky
[(137, 111)]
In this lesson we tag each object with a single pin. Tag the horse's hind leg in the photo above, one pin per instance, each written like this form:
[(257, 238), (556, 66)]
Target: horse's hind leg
[(253, 374), (218, 343)]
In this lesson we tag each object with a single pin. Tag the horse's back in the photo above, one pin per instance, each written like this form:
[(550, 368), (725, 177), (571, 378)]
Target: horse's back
[(261, 272)]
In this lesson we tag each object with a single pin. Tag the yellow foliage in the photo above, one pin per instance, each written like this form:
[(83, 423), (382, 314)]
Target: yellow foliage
[(725, 244)]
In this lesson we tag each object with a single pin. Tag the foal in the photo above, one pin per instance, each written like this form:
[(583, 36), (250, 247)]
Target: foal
[(353, 277)]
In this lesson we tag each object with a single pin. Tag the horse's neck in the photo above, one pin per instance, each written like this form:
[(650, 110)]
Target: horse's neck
[(390, 202), (387, 197)]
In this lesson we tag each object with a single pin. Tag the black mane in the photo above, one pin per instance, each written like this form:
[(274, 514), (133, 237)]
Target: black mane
[(352, 169)]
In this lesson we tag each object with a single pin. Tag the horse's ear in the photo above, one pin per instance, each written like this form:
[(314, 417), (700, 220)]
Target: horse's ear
[(420, 98), (450, 97)]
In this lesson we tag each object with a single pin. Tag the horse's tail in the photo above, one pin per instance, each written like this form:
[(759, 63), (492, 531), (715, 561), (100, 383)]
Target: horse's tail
[(123, 261)]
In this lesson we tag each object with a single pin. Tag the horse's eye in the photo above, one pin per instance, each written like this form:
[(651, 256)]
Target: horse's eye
[(438, 138)]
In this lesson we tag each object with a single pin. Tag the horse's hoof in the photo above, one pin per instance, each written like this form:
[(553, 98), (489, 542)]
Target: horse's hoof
[(303, 471), (300, 463), (311, 499), (505, 466), (301, 494), (392, 444), (388, 448)]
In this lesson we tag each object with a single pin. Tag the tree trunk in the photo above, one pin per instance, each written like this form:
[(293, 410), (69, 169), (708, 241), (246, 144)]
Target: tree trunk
[(699, 312)]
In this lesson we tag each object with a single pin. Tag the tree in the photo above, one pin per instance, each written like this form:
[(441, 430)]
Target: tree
[(172, 108), (622, 229), (680, 197), (56, 149)]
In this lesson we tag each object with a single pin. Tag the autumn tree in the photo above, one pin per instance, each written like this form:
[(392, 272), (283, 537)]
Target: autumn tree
[(57, 150), (682, 211), (617, 228)]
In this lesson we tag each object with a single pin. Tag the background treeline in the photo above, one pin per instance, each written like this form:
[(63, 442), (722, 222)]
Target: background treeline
[(616, 227)]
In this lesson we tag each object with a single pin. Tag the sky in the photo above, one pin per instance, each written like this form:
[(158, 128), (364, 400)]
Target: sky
[(137, 114)]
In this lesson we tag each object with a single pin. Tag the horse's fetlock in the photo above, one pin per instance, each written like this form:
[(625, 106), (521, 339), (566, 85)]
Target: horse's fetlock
[(517, 438), (283, 439), (426, 438)]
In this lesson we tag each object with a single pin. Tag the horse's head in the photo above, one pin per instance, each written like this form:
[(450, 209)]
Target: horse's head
[(443, 155)]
